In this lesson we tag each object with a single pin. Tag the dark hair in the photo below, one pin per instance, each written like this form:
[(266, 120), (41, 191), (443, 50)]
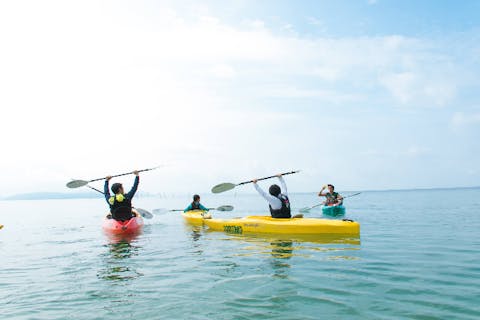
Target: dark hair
[(331, 185), (116, 187), (274, 190), (196, 197)]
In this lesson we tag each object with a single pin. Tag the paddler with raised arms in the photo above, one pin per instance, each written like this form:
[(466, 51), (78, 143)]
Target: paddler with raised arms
[(277, 198), (120, 203)]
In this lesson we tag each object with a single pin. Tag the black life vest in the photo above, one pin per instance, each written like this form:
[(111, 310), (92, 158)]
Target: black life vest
[(284, 211), (120, 207), (195, 206), (331, 198)]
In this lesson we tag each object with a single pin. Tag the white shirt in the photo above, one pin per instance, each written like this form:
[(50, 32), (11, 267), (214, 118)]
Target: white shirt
[(274, 202)]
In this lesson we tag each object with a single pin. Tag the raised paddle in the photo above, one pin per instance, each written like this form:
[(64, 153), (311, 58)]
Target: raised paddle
[(81, 183), (144, 213), (307, 209), (222, 187), (221, 208)]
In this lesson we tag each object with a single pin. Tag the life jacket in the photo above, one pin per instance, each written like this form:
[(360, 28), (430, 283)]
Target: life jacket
[(331, 198), (120, 207), (195, 206), (284, 211)]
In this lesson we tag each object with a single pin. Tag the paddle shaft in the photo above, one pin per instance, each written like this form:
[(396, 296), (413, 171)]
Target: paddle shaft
[(123, 174), (282, 174)]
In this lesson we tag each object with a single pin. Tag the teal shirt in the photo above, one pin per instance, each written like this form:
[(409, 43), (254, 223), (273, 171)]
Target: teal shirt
[(201, 207)]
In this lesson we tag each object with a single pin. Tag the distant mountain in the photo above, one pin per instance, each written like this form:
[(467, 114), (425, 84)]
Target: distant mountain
[(61, 195), (51, 195)]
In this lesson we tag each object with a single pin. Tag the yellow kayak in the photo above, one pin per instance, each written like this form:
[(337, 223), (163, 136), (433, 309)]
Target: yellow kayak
[(267, 224), (196, 217)]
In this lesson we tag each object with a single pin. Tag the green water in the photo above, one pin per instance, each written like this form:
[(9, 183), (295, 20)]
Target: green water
[(418, 258)]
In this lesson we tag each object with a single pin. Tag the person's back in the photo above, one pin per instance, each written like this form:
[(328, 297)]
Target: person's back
[(121, 203), (277, 198)]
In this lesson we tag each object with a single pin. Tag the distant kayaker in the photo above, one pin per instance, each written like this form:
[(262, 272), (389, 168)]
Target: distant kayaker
[(121, 203), (277, 200), (195, 205), (332, 197)]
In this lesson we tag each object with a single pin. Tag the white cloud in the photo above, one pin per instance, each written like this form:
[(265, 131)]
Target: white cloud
[(223, 71), (90, 87), (461, 119)]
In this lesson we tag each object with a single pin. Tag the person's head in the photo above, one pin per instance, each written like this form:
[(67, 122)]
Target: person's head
[(331, 188), (117, 188), (196, 198), (274, 190)]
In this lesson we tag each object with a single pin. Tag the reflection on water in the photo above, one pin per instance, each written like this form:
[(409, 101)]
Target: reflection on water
[(281, 251), (118, 266)]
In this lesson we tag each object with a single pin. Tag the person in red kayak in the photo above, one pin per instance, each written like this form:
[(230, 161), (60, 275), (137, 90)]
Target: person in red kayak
[(121, 203), (332, 197)]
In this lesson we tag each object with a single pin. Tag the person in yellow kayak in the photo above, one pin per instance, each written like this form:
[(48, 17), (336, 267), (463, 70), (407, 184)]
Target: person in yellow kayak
[(277, 200), (332, 198), (195, 205), (120, 203)]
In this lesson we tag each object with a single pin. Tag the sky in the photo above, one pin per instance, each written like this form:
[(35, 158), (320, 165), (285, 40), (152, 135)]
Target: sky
[(362, 94)]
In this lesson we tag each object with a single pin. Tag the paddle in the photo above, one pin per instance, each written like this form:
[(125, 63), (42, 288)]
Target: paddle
[(81, 183), (307, 209), (144, 213), (221, 208), (222, 187)]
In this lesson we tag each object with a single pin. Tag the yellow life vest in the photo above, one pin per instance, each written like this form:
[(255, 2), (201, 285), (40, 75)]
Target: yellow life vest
[(118, 197)]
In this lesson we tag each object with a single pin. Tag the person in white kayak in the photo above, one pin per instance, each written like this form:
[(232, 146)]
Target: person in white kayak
[(277, 198)]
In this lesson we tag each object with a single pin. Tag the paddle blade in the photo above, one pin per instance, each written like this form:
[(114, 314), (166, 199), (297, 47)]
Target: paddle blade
[(225, 208), (222, 187), (77, 184), (144, 213)]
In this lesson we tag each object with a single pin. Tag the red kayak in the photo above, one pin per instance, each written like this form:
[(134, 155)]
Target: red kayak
[(129, 227)]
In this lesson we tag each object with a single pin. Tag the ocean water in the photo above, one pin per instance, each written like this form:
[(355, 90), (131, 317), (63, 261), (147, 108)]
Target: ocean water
[(418, 257)]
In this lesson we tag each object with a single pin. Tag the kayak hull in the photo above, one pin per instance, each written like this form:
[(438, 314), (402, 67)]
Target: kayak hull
[(269, 225), (333, 211), (195, 217), (129, 227)]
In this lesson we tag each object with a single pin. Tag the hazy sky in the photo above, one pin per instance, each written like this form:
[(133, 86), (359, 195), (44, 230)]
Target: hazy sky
[(361, 94)]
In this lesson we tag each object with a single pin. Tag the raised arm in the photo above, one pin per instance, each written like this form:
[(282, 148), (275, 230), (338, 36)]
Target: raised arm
[(283, 185), (106, 189), (321, 194), (132, 191), (273, 201)]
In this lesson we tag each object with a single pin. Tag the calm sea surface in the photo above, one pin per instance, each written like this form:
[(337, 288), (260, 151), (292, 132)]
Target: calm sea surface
[(418, 257)]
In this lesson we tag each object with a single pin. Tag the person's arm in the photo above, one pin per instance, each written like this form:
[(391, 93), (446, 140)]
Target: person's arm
[(274, 202), (106, 188), (188, 208), (283, 184), (202, 207), (131, 193), (321, 194)]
